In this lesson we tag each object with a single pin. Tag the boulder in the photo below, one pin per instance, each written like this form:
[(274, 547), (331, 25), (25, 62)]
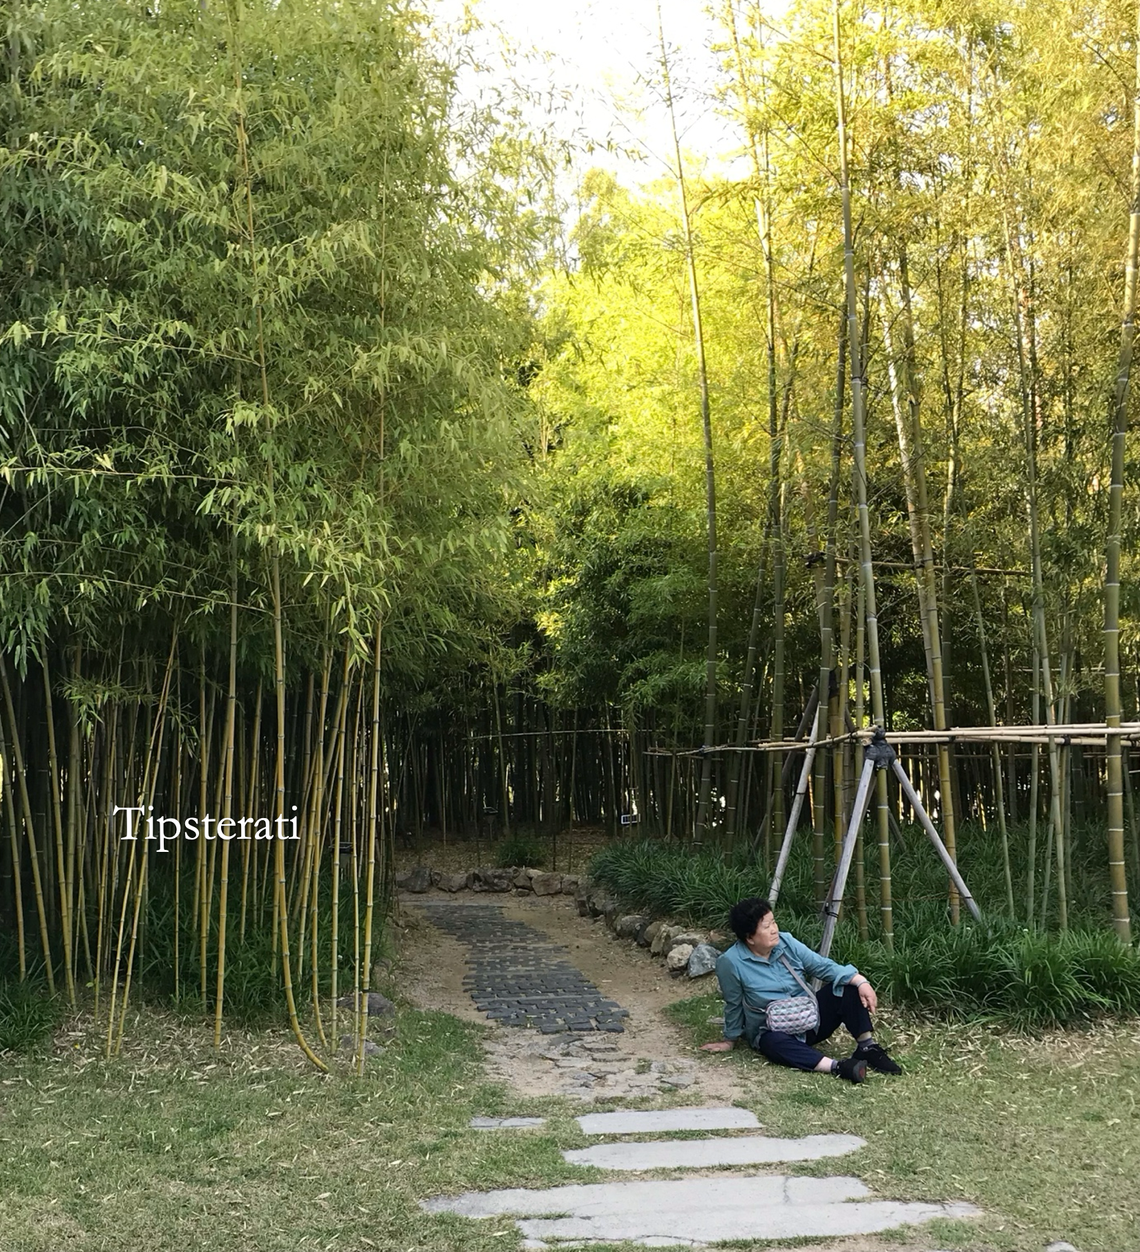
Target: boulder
[(348, 1044), (417, 880), (702, 960), (452, 882), (678, 957), (378, 1005), (522, 880), (659, 944), (489, 878), (683, 937), (569, 884), (629, 925), (546, 884)]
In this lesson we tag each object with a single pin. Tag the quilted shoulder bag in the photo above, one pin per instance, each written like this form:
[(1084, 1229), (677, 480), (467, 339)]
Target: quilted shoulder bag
[(794, 1015)]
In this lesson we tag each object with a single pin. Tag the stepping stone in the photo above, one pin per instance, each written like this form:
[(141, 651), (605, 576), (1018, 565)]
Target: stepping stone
[(505, 1123), (700, 1153), (697, 1211), (631, 1123)]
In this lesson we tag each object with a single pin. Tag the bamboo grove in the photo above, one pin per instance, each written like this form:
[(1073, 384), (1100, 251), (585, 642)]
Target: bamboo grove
[(260, 410), (916, 296), (355, 488)]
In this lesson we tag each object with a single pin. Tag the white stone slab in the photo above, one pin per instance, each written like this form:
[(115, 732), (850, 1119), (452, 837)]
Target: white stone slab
[(505, 1123), (702, 1153), (696, 1211), (630, 1123)]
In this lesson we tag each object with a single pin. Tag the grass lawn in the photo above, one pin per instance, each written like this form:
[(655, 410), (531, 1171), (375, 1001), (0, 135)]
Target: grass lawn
[(173, 1148), (1043, 1134)]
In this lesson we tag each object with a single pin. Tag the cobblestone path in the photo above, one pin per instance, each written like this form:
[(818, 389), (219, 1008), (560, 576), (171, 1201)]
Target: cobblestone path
[(518, 977)]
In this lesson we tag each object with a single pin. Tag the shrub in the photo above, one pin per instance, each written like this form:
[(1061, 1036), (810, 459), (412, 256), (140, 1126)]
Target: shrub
[(520, 850)]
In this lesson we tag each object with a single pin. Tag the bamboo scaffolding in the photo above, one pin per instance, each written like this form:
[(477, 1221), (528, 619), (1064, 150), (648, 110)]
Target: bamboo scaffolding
[(1085, 734)]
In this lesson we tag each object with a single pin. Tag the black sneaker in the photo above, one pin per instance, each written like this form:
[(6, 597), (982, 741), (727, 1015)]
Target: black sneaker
[(853, 1068), (878, 1058)]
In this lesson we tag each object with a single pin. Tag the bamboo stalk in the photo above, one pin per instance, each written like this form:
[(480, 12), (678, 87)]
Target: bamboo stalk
[(867, 582), (703, 823), (1112, 702)]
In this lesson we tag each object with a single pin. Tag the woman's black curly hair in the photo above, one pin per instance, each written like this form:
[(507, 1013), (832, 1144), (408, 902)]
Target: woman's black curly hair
[(743, 918)]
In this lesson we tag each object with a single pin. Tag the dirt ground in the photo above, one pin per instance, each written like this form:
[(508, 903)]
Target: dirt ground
[(431, 970)]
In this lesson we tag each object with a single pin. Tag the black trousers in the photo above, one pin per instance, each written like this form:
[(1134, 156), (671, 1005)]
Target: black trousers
[(847, 1010)]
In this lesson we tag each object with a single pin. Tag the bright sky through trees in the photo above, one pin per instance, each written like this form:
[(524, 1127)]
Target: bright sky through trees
[(605, 53)]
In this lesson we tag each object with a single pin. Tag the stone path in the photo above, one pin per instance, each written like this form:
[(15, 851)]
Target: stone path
[(518, 977), (693, 1212), (702, 1153)]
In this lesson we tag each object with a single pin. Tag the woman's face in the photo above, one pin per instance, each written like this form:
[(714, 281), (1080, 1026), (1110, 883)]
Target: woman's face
[(766, 935)]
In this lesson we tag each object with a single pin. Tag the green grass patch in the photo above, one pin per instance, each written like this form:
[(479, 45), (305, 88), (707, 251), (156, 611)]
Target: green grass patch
[(175, 1146), (1041, 1133)]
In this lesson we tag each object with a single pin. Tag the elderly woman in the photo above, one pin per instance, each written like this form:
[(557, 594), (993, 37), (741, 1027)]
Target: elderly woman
[(762, 967)]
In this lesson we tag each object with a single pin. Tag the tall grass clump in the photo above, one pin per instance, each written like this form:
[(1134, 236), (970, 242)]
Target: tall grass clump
[(520, 849), (29, 1015)]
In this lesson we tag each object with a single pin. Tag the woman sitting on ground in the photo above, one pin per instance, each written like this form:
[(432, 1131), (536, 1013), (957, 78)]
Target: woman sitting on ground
[(752, 974)]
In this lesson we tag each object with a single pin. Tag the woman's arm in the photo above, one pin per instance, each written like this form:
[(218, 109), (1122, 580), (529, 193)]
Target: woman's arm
[(821, 967), (733, 994)]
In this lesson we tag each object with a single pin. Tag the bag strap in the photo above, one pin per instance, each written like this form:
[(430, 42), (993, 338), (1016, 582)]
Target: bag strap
[(792, 971)]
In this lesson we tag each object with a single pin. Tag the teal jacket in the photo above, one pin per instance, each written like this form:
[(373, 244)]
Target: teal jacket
[(749, 983)]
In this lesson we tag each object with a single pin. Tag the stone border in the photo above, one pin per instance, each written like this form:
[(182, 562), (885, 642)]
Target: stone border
[(685, 951), (520, 879)]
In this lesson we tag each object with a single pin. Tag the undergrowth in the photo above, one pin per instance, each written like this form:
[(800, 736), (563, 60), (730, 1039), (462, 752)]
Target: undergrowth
[(520, 849), (29, 1015), (1000, 971)]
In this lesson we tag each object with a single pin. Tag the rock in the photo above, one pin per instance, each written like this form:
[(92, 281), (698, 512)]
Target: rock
[(378, 1005), (629, 925), (452, 882), (597, 903), (489, 878), (678, 956), (569, 884), (348, 1044), (546, 884), (417, 880), (685, 936), (660, 941), (521, 880), (703, 960)]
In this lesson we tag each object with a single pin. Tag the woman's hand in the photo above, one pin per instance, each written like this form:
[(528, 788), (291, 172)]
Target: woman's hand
[(867, 995), (721, 1045)]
